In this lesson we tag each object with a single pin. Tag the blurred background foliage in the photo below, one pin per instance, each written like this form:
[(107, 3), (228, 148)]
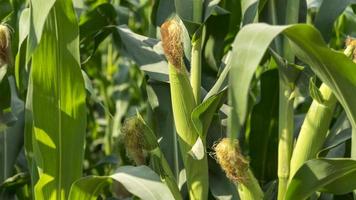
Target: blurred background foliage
[(125, 72)]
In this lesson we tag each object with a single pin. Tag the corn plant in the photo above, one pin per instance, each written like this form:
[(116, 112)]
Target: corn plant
[(177, 99)]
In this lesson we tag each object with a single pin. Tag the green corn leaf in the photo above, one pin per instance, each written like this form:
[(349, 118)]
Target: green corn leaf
[(20, 62), (95, 25), (11, 139), (263, 136), (195, 16), (340, 138), (329, 175), (160, 100), (222, 82), (39, 10), (96, 19), (28, 136), (159, 161), (162, 10), (24, 26), (198, 150), (332, 67), (6, 9), (15, 181), (314, 91), (329, 11), (146, 52), (191, 14), (212, 8), (56, 118), (220, 186), (7, 117), (185, 10), (204, 113), (89, 188), (140, 181), (249, 10)]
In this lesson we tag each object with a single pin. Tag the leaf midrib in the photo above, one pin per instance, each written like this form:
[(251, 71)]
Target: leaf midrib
[(58, 80)]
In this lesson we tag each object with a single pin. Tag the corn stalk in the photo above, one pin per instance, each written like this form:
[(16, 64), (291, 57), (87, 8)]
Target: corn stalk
[(196, 52), (183, 103), (286, 126), (286, 109)]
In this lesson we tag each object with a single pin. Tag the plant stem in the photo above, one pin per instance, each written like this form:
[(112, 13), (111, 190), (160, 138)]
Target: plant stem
[(196, 51), (250, 189), (197, 10), (183, 104), (170, 180), (286, 126), (314, 129), (286, 110), (176, 155), (350, 52), (273, 20), (196, 69)]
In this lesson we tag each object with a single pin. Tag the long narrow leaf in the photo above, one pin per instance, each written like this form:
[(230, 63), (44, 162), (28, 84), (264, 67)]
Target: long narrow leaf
[(140, 181), (332, 67), (57, 108), (333, 175)]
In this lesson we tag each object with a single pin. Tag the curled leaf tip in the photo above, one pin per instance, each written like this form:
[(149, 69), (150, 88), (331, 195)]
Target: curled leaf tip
[(228, 155), (5, 39), (171, 34)]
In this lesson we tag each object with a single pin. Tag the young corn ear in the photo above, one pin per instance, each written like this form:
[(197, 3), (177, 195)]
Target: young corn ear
[(5, 44), (236, 166), (229, 157), (141, 142), (132, 131), (314, 129), (183, 104), (316, 124)]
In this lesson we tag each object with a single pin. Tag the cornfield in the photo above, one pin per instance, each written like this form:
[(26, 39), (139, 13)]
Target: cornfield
[(178, 99)]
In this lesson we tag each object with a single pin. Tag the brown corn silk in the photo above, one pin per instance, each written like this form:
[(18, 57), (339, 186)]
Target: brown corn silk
[(4, 44), (228, 155), (133, 140), (171, 34)]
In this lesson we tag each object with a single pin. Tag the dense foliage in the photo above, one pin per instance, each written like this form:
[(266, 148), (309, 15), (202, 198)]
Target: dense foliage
[(178, 99)]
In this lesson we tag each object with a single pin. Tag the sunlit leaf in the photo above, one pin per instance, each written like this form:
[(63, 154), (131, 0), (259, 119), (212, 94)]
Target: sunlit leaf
[(57, 99), (332, 175), (332, 67), (140, 181)]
